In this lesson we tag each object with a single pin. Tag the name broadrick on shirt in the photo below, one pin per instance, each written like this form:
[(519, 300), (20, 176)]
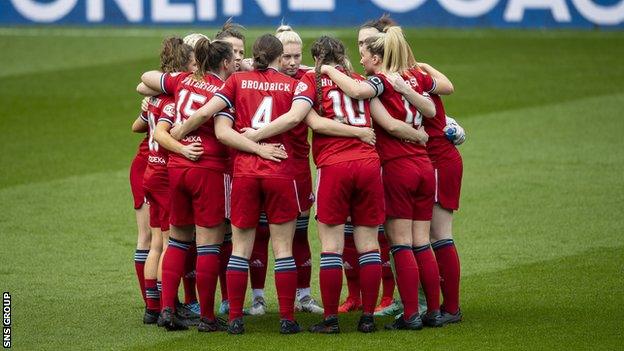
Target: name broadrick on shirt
[(268, 86)]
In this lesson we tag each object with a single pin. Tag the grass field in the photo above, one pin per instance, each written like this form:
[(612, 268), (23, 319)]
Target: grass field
[(540, 232)]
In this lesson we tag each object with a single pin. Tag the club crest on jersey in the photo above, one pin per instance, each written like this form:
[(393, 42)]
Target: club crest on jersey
[(301, 87), (169, 110)]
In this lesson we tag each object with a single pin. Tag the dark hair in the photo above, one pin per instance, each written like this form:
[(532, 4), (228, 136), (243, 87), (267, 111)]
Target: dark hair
[(328, 50), (210, 55), (230, 29), (175, 56), (380, 23), (266, 49)]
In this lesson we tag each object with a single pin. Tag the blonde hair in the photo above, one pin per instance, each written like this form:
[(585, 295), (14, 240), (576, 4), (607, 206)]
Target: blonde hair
[(394, 49), (192, 39), (287, 35)]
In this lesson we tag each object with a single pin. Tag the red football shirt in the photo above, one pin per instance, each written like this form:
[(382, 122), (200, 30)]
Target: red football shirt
[(159, 108), (301, 147), (191, 94), (143, 149), (328, 150), (388, 146), (259, 97)]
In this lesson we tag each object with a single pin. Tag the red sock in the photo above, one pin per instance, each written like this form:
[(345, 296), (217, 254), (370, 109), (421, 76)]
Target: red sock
[(387, 277), (302, 254), (207, 275), (259, 258), (189, 275), (330, 278), (407, 278), (152, 295), (448, 262), (237, 275), (429, 275), (224, 258), (139, 266), (352, 269), (172, 271), (370, 279), (286, 286)]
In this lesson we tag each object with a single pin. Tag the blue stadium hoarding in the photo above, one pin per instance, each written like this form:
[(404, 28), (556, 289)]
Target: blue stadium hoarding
[(436, 13)]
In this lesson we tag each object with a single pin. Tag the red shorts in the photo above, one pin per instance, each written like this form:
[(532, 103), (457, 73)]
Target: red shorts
[(409, 185), (351, 188), (137, 169), (156, 186), (448, 178), (304, 190), (276, 197), (199, 196)]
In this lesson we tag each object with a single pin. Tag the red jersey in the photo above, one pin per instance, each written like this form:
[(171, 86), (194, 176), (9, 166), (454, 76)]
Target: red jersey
[(328, 150), (143, 149), (301, 147), (259, 97), (191, 94), (388, 146), (160, 108)]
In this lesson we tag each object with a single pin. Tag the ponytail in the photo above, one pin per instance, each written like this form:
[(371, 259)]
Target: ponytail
[(210, 55), (266, 49), (398, 56)]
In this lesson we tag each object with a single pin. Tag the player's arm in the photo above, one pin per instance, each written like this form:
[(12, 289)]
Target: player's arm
[(331, 127), (228, 136), (140, 124), (351, 87), (201, 116), (147, 91), (423, 103), (298, 110), (152, 80), (395, 127), (443, 85), (163, 138)]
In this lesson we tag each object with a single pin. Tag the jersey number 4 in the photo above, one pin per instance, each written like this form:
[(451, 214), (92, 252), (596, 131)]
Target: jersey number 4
[(262, 117)]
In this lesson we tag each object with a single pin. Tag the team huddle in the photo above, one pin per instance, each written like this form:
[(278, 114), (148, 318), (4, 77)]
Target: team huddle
[(225, 167)]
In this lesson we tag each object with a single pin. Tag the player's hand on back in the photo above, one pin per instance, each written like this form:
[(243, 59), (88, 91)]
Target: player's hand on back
[(398, 83), (176, 131), (247, 64), (192, 151), (273, 152), (250, 133), (145, 103), (367, 135), (424, 137)]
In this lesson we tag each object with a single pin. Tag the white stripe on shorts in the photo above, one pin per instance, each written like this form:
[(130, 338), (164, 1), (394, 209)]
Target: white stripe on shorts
[(435, 174), (316, 198), (297, 195)]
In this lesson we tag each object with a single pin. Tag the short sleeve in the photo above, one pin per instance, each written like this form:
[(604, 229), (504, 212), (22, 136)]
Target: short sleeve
[(377, 83), (228, 91), (169, 82), (168, 113), (305, 89), (427, 82), (227, 112)]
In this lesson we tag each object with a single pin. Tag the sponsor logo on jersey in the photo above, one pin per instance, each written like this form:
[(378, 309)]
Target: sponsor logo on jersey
[(156, 159), (301, 87), (192, 139)]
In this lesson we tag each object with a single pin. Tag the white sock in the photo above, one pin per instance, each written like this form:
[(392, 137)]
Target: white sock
[(257, 292), (303, 292)]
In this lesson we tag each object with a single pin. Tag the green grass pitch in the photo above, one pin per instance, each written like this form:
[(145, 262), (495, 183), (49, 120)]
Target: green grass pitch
[(540, 231)]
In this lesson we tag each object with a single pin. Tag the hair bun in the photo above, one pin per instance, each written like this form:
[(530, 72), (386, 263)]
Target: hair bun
[(283, 28)]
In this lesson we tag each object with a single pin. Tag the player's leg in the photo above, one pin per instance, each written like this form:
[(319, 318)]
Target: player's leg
[(367, 213), (245, 213), (189, 281), (224, 258), (258, 264), (141, 211), (448, 185), (367, 245), (387, 306), (209, 241), (152, 311), (351, 265)]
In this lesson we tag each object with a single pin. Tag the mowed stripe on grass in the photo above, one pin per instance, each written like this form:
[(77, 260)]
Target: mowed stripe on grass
[(538, 246)]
